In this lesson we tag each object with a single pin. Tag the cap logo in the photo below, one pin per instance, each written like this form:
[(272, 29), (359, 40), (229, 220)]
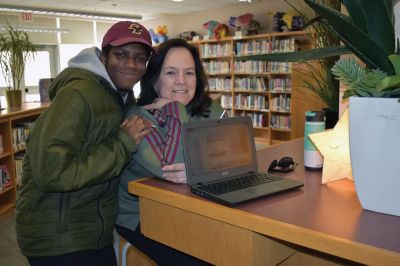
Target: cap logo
[(136, 29)]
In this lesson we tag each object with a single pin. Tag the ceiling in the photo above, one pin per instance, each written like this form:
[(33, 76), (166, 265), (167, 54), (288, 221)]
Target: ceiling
[(148, 9)]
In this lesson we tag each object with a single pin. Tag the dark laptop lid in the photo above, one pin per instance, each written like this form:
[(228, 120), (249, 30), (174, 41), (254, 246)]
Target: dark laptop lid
[(217, 149)]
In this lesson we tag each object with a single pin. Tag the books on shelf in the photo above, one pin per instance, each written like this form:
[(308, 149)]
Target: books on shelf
[(20, 134), (18, 158), (5, 178), (283, 85), (251, 84), (217, 67), (255, 102), (253, 47), (260, 89), (259, 119), (280, 122), (219, 84), (281, 103), (250, 67), (226, 101), (280, 45), (215, 50)]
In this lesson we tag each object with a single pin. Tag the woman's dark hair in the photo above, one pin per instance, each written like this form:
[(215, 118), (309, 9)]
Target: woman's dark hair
[(201, 101)]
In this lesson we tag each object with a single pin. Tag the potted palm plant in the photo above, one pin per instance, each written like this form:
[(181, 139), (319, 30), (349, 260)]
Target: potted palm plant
[(374, 109), (15, 50), (367, 30)]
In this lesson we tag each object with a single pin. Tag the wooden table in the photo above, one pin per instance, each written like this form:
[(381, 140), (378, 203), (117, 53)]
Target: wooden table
[(318, 224)]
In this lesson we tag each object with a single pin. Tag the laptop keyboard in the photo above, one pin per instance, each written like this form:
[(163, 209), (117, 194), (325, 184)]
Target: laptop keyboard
[(238, 183)]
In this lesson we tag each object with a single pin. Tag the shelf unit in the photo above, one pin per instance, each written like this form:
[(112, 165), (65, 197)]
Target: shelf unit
[(9, 118), (271, 93)]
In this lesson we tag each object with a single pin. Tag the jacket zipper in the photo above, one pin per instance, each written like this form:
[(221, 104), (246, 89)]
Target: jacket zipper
[(100, 214), (60, 217)]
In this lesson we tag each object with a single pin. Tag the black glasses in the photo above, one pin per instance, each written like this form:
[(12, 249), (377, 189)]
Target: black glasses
[(285, 165)]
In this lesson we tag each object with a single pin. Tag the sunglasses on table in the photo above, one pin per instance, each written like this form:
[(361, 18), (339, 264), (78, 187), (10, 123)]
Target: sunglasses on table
[(284, 165)]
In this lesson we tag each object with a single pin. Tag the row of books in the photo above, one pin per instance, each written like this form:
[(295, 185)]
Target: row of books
[(281, 67), (259, 119), (253, 47), (18, 167), (280, 122), (265, 46), (256, 102), (219, 84), (5, 178), (215, 50), (281, 103), (250, 66), (20, 134), (247, 67), (253, 84), (283, 45), (226, 101), (217, 67), (280, 85)]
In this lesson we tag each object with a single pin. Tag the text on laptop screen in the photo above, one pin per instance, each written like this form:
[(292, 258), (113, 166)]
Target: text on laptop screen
[(223, 147)]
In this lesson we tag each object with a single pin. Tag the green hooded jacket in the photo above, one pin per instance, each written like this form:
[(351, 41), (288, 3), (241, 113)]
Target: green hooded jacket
[(68, 198)]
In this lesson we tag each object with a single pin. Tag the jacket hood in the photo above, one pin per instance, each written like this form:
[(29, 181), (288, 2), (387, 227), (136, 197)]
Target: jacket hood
[(88, 60)]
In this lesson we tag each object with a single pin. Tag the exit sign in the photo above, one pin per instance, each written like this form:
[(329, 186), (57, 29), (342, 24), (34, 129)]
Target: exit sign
[(26, 16)]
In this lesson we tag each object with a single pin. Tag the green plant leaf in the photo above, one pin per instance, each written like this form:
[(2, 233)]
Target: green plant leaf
[(388, 83), (299, 56), (358, 18), (357, 41), (395, 60), (379, 24)]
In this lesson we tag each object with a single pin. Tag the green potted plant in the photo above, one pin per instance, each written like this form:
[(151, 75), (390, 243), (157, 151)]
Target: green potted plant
[(15, 50), (374, 109)]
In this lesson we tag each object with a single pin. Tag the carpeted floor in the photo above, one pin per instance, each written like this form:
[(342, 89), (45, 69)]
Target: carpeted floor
[(10, 254)]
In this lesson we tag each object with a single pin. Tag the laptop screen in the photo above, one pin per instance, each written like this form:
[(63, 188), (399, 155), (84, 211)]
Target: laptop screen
[(216, 149)]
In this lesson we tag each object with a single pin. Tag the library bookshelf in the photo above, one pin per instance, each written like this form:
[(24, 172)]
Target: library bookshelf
[(270, 92), (10, 121)]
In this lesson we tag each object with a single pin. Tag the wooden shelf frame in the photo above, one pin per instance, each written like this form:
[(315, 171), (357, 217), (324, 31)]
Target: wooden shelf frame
[(8, 118)]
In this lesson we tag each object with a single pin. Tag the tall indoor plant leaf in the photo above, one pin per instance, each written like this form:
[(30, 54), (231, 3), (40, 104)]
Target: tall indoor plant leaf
[(362, 45)]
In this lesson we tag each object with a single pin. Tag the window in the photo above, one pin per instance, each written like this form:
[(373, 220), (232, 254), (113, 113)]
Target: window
[(37, 68), (43, 65)]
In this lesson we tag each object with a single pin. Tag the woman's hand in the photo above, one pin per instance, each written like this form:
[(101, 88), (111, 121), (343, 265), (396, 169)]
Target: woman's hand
[(138, 127), (175, 173), (157, 104)]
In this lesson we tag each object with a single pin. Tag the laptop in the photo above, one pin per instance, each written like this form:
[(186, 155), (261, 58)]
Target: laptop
[(221, 162)]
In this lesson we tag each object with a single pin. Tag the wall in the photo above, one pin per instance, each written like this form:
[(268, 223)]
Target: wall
[(81, 31), (261, 10), (43, 22)]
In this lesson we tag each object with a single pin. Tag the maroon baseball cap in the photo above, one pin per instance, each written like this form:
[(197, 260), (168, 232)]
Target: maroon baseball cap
[(125, 32)]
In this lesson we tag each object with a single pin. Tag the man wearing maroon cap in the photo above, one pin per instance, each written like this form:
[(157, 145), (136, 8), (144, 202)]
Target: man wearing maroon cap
[(67, 203)]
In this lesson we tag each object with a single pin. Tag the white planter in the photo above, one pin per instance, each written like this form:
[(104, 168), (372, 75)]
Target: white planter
[(374, 130)]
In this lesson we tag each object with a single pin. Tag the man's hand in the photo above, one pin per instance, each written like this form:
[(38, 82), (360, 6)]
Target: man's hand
[(138, 127), (175, 173)]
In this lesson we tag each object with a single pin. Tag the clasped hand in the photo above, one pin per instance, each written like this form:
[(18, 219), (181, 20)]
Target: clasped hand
[(138, 127)]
